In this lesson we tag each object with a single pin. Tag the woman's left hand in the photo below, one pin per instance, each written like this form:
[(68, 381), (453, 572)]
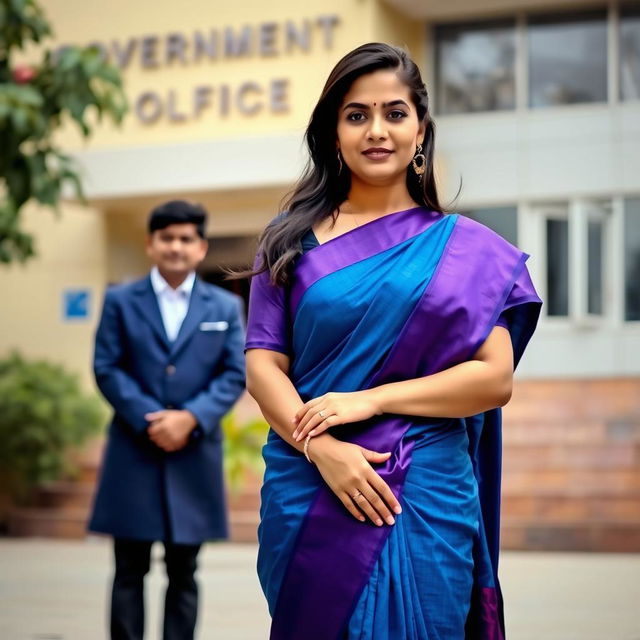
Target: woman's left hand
[(333, 409)]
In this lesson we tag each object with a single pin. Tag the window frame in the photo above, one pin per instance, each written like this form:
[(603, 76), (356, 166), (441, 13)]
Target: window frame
[(614, 51), (539, 213), (504, 21), (567, 15), (600, 210), (620, 211), (578, 211), (521, 61)]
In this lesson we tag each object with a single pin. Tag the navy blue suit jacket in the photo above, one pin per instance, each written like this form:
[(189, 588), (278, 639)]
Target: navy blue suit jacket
[(143, 492)]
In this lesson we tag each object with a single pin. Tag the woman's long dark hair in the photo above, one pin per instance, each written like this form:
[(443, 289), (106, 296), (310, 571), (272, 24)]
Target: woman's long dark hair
[(322, 188)]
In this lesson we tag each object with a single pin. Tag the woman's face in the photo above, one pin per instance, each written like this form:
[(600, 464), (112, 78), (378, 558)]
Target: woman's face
[(378, 128)]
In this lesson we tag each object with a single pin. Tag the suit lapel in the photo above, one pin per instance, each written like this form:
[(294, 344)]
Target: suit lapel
[(195, 314), (146, 304)]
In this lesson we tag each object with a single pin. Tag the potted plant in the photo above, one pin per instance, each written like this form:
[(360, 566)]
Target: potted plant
[(43, 414)]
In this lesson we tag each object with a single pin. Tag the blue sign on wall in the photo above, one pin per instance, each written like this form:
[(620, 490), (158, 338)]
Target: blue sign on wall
[(76, 304)]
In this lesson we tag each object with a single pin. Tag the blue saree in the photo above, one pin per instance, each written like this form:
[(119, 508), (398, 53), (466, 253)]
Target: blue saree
[(404, 296)]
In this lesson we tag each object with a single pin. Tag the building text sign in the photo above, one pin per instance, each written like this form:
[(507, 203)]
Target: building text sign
[(248, 97)]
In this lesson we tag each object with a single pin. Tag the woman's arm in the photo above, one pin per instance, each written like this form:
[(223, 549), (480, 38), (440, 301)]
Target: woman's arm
[(465, 389), (345, 467), (269, 384)]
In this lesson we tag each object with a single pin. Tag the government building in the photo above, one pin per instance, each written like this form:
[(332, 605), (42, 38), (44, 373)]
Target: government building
[(537, 112)]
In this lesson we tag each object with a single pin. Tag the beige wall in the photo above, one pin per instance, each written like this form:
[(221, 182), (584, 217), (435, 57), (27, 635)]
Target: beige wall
[(126, 259), (71, 254), (395, 28)]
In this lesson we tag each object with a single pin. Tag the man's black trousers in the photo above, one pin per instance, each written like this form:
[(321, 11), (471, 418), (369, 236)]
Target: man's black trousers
[(132, 560)]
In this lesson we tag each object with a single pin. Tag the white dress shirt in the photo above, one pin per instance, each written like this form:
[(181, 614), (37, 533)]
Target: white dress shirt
[(173, 303)]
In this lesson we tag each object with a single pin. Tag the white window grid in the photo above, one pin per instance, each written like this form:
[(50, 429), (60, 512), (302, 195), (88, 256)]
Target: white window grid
[(522, 67), (532, 217)]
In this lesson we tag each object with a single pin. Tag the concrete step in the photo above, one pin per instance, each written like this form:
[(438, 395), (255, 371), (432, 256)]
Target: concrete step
[(570, 432), (563, 508), (571, 400), (555, 412), (71, 523), (48, 523), (244, 510), (602, 535), (65, 495), (88, 474), (571, 481), (243, 526), (245, 501), (87, 460), (579, 456), (611, 393)]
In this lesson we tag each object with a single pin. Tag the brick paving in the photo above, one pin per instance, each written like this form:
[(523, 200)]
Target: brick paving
[(58, 590)]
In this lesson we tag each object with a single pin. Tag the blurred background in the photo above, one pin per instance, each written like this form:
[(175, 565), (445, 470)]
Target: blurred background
[(537, 111)]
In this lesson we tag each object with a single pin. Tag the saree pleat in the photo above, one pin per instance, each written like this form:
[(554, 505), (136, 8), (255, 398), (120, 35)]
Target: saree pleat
[(421, 584)]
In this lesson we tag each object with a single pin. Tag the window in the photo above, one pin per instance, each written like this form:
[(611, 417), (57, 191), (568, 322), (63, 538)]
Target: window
[(557, 239), (632, 258), (475, 67), (594, 234), (630, 52), (503, 220), (595, 250), (567, 59), (577, 262)]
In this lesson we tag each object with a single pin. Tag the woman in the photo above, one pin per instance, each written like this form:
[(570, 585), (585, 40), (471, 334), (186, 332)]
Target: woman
[(377, 325)]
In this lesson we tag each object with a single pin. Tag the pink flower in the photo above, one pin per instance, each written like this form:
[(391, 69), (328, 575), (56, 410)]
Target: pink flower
[(23, 74)]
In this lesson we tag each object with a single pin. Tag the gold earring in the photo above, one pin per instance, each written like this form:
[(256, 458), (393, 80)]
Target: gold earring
[(339, 163), (419, 162)]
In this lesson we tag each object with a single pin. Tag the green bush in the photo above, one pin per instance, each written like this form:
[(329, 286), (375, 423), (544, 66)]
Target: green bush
[(43, 413), (242, 448)]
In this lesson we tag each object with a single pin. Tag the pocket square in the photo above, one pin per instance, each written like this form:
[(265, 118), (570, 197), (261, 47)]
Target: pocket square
[(221, 325)]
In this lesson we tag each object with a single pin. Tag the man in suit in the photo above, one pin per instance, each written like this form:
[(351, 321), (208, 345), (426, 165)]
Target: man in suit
[(169, 359)]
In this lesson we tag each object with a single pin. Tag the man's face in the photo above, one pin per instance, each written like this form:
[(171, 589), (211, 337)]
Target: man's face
[(176, 249)]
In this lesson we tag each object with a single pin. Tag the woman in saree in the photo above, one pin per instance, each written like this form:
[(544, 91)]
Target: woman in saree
[(382, 338)]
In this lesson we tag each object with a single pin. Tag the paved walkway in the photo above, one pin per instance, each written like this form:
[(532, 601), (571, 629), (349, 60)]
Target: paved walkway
[(58, 590)]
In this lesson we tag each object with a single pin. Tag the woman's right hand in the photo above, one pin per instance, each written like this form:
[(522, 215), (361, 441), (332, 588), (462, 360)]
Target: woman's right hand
[(347, 469)]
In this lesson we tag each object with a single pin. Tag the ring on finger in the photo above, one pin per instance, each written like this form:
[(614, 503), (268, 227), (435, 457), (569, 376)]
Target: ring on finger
[(321, 414), (356, 495)]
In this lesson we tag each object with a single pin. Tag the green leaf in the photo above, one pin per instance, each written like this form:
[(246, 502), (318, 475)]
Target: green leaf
[(44, 412), (69, 58), (65, 86)]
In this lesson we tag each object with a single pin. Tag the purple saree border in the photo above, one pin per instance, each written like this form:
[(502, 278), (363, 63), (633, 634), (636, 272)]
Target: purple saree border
[(340, 572), (486, 619), (452, 325), (353, 246)]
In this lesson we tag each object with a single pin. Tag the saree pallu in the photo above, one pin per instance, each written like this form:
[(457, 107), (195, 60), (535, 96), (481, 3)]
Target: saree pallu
[(405, 296)]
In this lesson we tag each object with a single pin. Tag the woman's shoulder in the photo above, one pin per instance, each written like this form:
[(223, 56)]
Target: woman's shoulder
[(482, 232)]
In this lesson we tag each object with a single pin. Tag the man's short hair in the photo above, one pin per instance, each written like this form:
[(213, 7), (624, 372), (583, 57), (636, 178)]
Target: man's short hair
[(177, 212)]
